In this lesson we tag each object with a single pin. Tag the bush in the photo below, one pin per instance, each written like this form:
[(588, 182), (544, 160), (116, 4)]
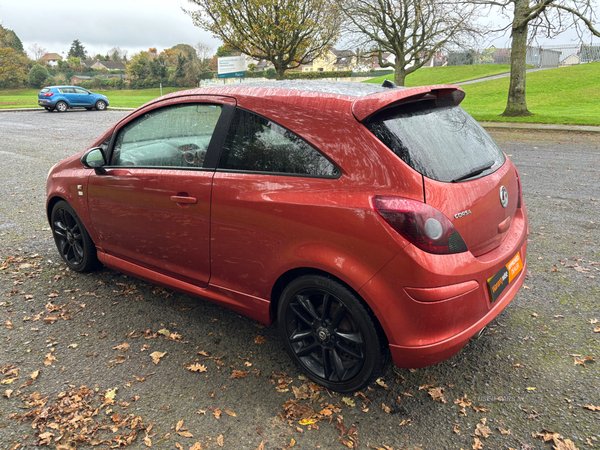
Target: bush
[(37, 76), (271, 73)]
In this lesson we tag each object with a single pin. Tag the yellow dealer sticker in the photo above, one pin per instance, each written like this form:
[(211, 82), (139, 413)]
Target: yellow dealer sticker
[(504, 277)]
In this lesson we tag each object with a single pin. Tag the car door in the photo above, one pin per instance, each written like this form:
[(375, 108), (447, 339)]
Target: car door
[(152, 206), (70, 96), (84, 98)]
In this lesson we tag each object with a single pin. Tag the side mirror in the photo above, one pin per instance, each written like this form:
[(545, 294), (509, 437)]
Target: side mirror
[(95, 159)]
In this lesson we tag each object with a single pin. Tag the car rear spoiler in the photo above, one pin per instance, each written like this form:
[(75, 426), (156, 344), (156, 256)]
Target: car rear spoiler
[(364, 107)]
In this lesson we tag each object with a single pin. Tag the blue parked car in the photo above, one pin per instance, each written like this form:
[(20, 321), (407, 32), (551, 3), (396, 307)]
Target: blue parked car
[(63, 97)]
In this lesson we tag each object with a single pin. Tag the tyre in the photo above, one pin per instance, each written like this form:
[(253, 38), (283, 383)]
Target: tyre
[(72, 239), (89, 108), (100, 105), (61, 106), (330, 334)]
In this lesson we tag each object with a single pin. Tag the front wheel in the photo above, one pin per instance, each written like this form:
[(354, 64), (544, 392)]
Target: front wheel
[(72, 239), (61, 106), (100, 105), (330, 335)]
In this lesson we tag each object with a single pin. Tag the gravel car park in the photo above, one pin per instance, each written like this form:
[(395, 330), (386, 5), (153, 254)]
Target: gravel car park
[(531, 372)]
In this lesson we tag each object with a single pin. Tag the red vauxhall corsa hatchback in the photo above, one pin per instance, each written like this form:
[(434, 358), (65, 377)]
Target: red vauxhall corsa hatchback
[(366, 220)]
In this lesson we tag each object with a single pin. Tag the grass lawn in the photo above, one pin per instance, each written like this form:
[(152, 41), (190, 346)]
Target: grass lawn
[(447, 75), (567, 95), (27, 98)]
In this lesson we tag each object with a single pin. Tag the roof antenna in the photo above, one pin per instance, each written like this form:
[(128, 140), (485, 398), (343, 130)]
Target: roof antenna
[(388, 84)]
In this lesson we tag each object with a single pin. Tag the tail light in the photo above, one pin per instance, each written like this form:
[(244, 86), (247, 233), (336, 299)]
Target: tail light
[(423, 225), (520, 193), (49, 94)]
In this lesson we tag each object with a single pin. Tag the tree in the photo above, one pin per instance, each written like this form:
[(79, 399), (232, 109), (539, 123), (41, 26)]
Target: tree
[(412, 30), (549, 16), (158, 67), (205, 54), (139, 66), (8, 38), (288, 33), (77, 50), (13, 68), (37, 76), (116, 54), (37, 51)]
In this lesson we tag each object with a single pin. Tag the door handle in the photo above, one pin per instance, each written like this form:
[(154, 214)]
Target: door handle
[(186, 200)]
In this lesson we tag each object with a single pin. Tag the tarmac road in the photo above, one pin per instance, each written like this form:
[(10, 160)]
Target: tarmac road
[(532, 372)]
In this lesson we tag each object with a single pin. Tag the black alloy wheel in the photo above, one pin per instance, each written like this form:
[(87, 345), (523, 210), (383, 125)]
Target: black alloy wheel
[(72, 239), (330, 335)]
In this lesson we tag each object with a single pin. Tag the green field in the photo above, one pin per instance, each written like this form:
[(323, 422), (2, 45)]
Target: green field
[(27, 98), (567, 95), (447, 75)]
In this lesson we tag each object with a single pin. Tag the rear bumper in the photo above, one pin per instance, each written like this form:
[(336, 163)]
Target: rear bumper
[(425, 355), (431, 305), (46, 103)]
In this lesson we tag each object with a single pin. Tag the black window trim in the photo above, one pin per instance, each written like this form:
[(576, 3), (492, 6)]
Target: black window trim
[(259, 172)]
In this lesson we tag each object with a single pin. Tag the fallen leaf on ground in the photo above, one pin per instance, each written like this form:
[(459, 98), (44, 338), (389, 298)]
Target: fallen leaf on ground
[(197, 367), (381, 383), (482, 429), (220, 440), (156, 356), (238, 374), (260, 339), (437, 394)]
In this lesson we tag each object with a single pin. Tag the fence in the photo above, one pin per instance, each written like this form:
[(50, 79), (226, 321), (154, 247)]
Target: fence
[(541, 56), (562, 55)]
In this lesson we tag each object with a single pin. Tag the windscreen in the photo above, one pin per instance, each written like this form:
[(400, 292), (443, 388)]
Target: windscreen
[(438, 139)]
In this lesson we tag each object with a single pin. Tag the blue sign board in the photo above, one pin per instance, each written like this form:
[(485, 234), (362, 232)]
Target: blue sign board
[(232, 75)]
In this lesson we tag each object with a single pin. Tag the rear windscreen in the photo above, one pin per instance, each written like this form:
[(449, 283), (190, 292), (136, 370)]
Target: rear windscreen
[(438, 139), (45, 90)]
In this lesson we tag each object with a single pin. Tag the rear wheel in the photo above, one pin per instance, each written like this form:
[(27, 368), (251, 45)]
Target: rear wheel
[(330, 335), (72, 239), (100, 105), (61, 106)]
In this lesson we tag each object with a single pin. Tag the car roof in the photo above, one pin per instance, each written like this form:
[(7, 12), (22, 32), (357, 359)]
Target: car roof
[(364, 99), (63, 86)]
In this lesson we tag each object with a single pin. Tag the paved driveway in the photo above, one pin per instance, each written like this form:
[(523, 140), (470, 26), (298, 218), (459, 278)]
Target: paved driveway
[(104, 359)]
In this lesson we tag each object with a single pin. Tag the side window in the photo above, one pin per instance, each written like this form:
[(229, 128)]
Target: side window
[(174, 136), (257, 144), (81, 91)]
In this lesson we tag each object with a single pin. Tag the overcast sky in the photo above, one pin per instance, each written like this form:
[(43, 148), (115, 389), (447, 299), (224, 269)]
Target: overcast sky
[(132, 25)]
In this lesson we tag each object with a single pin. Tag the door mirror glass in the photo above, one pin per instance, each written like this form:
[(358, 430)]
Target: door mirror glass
[(93, 158)]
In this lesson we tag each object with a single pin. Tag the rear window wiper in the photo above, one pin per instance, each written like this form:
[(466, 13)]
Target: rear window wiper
[(475, 171)]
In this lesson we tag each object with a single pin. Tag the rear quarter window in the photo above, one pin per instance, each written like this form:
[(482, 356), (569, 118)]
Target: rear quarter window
[(438, 139)]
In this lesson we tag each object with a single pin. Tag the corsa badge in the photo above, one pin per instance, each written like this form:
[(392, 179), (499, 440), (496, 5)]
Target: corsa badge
[(503, 197)]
